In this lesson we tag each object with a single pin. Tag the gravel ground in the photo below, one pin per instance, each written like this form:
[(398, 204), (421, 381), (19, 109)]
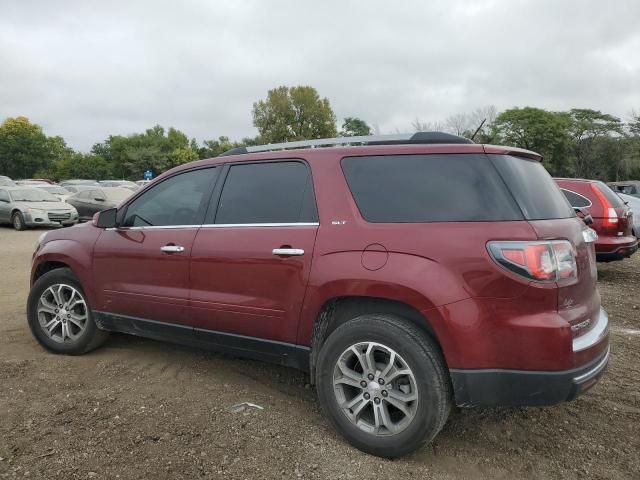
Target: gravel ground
[(143, 409)]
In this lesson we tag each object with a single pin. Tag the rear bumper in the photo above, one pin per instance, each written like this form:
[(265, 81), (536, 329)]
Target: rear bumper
[(618, 250), (502, 387)]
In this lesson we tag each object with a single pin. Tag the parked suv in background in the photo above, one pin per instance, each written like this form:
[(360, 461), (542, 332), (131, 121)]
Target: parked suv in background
[(400, 293), (612, 219)]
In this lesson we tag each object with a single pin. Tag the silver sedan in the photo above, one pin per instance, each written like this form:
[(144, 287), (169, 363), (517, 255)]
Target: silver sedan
[(25, 207)]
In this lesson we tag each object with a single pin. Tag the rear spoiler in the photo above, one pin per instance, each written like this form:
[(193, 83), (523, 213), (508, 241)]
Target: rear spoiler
[(515, 151)]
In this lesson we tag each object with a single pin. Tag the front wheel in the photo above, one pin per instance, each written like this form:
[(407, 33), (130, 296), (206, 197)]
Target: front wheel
[(383, 384), (59, 315), (18, 221)]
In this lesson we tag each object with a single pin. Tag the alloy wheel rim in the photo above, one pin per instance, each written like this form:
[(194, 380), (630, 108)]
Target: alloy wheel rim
[(375, 388), (62, 313), (17, 223)]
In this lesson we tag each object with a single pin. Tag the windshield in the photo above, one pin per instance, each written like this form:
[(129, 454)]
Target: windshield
[(117, 194), (31, 195), (5, 182), (55, 190)]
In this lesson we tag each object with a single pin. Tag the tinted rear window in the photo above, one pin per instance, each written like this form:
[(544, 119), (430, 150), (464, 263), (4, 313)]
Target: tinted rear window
[(614, 199), (267, 192), (535, 191), (428, 188)]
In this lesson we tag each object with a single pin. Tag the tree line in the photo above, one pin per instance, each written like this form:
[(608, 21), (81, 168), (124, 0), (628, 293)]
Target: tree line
[(576, 143)]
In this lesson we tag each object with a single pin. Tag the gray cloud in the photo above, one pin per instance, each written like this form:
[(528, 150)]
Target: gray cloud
[(84, 70)]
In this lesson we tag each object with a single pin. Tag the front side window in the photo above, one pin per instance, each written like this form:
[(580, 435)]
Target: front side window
[(179, 200), (4, 196), (268, 192)]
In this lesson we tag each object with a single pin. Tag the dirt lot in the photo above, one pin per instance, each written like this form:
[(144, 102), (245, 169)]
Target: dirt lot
[(143, 409)]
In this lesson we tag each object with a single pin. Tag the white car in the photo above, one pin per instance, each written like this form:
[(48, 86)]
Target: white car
[(634, 204)]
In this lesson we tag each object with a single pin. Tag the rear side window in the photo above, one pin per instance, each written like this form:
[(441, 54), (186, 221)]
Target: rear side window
[(575, 199), (537, 194), (428, 188), (614, 199), (267, 192)]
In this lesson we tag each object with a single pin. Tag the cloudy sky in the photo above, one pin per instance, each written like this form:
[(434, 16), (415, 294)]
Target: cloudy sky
[(87, 69)]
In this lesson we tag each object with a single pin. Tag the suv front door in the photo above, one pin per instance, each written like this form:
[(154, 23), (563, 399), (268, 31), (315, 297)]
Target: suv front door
[(141, 267), (251, 260)]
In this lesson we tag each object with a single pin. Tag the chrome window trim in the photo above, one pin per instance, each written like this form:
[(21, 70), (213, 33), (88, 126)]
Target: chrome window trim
[(155, 227), (218, 225), (291, 224)]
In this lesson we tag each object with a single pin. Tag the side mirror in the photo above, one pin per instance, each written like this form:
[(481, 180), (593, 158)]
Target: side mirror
[(106, 218), (583, 214)]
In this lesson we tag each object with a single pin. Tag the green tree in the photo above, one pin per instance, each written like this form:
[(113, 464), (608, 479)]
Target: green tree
[(155, 149), (591, 131), (354, 127), (544, 132), (24, 148), (295, 113), (634, 124)]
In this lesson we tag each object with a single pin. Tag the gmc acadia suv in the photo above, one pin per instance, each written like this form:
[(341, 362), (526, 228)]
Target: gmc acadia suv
[(406, 274)]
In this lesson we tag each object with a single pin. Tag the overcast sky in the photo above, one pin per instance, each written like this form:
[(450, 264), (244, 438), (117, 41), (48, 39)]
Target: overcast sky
[(87, 69)]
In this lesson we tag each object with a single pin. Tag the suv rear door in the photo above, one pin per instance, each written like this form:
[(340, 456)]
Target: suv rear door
[(251, 260), (141, 268)]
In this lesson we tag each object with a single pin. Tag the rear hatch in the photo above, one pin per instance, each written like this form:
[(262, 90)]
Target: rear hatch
[(552, 218)]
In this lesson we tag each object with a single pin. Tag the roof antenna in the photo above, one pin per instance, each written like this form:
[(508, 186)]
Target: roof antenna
[(476, 132)]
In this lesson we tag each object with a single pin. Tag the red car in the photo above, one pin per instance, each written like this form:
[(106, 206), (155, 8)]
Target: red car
[(407, 274), (612, 219)]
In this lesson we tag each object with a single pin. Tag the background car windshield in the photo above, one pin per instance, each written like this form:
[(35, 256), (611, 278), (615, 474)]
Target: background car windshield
[(55, 190), (117, 194), (32, 195)]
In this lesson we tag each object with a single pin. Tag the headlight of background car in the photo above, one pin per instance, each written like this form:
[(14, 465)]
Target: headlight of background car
[(37, 211)]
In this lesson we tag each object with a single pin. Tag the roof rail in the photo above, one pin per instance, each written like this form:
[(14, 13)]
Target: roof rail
[(396, 139)]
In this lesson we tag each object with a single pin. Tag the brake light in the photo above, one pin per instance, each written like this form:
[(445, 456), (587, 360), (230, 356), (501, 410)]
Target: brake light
[(539, 261), (610, 217)]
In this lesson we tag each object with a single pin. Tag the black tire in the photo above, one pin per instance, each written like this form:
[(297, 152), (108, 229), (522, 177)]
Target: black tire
[(17, 220), (90, 339), (421, 354)]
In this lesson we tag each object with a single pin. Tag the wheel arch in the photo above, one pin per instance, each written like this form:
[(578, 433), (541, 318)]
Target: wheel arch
[(339, 310), (47, 266)]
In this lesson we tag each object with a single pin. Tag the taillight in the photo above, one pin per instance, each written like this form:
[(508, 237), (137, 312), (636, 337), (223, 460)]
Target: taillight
[(540, 261), (610, 216)]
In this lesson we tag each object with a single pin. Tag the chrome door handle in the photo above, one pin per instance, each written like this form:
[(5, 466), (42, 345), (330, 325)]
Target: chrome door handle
[(289, 252), (172, 249)]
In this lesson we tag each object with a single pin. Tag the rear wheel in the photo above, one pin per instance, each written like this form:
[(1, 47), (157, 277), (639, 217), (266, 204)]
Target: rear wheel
[(18, 221), (59, 315), (383, 384)]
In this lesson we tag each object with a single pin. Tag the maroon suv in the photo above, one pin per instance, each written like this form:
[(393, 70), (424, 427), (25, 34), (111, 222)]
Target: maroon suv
[(612, 219), (406, 274)]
